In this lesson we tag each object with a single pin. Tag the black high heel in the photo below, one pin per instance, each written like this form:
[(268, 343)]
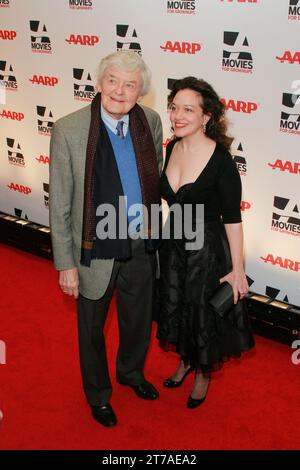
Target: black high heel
[(170, 383), (194, 402)]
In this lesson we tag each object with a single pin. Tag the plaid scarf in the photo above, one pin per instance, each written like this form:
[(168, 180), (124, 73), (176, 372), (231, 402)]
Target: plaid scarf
[(145, 154)]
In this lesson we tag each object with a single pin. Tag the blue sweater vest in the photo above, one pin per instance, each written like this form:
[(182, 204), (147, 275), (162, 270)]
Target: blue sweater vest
[(127, 167)]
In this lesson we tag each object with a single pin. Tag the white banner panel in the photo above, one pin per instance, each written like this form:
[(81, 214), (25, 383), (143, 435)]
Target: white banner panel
[(248, 50)]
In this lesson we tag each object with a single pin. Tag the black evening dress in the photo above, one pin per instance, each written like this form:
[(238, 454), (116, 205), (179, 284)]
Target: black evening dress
[(186, 322)]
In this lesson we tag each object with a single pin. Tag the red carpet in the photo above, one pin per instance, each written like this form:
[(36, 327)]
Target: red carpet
[(252, 403)]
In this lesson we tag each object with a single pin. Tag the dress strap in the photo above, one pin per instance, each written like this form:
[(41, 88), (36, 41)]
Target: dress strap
[(169, 149)]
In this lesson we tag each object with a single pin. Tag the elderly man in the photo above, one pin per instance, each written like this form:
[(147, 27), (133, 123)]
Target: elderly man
[(107, 152)]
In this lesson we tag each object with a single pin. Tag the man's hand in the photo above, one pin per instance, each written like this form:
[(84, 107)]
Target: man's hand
[(69, 281)]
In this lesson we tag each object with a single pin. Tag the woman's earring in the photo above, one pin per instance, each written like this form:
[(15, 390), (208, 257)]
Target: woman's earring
[(204, 127)]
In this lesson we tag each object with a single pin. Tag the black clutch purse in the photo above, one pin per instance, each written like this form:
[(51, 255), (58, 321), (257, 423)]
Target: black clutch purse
[(222, 300)]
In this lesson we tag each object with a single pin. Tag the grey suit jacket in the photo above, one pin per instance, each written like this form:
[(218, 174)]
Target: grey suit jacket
[(67, 168)]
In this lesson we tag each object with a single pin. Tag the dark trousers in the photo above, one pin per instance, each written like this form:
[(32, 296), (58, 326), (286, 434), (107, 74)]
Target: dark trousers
[(134, 282)]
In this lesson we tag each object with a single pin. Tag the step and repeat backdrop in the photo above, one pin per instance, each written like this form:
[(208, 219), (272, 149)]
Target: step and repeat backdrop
[(248, 50)]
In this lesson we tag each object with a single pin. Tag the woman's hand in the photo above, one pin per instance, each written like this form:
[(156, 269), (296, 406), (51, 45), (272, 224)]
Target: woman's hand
[(238, 281)]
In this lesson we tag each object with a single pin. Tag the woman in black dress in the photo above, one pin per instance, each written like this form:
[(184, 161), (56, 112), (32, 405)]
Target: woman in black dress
[(199, 170)]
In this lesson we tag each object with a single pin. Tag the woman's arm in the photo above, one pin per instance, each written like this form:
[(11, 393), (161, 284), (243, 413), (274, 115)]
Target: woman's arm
[(236, 277)]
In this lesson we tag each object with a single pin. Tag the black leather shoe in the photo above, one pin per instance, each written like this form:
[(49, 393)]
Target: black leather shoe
[(170, 383), (194, 402), (104, 415), (144, 390)]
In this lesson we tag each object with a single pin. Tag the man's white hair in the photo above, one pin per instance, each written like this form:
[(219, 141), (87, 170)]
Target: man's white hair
[(128, 61)]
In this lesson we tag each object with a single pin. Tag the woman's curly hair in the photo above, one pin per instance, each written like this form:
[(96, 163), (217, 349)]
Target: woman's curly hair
[(216, 128)]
